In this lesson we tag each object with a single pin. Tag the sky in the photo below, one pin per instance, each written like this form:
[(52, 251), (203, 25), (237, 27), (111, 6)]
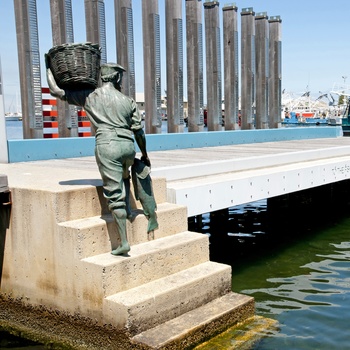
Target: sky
[(315, 42)]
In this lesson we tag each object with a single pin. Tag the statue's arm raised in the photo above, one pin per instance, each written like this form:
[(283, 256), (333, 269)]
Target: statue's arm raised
[(54, 89)]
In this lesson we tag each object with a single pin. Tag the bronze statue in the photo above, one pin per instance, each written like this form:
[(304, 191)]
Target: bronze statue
[(142, 183), (117, 122)]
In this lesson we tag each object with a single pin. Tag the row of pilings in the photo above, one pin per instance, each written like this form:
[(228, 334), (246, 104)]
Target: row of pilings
[(260, 63)]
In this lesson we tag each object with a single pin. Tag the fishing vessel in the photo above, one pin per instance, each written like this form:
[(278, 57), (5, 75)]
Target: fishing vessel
[(305, 110), (343, 116), (13, 116)]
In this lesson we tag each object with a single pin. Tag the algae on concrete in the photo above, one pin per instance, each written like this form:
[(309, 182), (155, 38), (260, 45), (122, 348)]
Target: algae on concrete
[(242, 336)]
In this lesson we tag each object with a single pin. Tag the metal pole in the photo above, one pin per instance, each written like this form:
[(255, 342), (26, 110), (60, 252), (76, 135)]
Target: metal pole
[(247, 68), (62, 32), (125, 44), (96, 25), (174, 69), (29, 68), (275, 80), (231, 67), (262, 70), (95, 28), (151, 60), (3, 135), (194, 47), (213, 65)]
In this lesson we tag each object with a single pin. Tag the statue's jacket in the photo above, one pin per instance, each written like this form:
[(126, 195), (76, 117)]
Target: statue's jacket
[(111, 113)]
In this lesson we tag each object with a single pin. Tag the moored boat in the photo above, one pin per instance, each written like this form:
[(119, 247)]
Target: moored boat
[(299, 119), (304, 110), (13, 116), (343, 118)]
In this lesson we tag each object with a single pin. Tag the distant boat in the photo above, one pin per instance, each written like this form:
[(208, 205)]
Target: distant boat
[(305, 110), (344, 118), (296, 119), (304, 106), (13, 116)]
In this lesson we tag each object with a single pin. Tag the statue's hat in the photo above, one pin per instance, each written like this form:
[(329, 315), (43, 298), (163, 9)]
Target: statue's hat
[(109, 70)]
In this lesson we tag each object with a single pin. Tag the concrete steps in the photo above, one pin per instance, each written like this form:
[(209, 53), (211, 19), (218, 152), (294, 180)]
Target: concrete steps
[(98, 234), (85, 201), (156, 302), (198, 325), (163, 278), (146, 262), (67, 266)]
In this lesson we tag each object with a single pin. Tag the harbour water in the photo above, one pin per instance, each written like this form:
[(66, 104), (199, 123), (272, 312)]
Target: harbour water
[(14, 129), (298, 277), (298, 271)]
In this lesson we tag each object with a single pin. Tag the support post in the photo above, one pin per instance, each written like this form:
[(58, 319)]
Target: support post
[(213, 65), (3, 135), (194, 47), (247, 68), (152, 68), (96, 25), (29, 68), (275, 79), (231, 67), (125, 44), (262, 70), (62, 32), (174, 69)]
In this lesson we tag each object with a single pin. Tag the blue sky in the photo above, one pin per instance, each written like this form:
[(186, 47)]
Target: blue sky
[(315, 41)]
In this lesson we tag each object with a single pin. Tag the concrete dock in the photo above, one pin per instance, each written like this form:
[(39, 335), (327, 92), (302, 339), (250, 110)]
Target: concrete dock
[(166, 294), (264, 170)]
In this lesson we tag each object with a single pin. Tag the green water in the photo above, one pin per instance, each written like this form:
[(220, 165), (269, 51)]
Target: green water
[(306, 287), (299, 277)]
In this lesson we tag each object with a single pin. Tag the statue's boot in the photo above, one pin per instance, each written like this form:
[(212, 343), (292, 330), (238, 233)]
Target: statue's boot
[(119, 216), (129, 213)]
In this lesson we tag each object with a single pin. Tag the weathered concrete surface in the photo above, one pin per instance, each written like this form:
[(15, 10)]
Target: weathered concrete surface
[(60, 283), (242, 336), (60, 330), (199, 324)]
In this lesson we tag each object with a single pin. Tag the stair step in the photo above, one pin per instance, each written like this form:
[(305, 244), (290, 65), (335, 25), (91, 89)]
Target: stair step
[(87, 200), (97, 235), (109, 274), (151, 304), (198, 325)]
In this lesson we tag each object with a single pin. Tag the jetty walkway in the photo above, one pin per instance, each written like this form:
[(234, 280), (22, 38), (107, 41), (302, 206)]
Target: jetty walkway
[(207, 179), (55, 246)]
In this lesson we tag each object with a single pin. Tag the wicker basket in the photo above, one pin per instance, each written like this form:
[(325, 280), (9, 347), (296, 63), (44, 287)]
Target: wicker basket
[(75, 66)]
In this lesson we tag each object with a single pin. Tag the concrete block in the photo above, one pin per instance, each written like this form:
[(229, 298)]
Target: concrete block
[(156, 302), (146, 262), (200, 324), (87, 201), (98, 234)]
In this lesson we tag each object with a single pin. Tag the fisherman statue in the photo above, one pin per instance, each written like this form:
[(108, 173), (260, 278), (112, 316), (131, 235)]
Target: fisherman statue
[(117, 122)]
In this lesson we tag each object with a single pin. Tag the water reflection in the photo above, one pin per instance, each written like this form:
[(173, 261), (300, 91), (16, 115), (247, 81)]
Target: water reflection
[(300, 277), (316, 286)]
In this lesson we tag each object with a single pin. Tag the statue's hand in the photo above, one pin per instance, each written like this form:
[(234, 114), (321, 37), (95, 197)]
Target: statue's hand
[(146, 161)]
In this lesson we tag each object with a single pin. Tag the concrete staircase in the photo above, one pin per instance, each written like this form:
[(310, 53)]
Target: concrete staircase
[(165, 294)]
